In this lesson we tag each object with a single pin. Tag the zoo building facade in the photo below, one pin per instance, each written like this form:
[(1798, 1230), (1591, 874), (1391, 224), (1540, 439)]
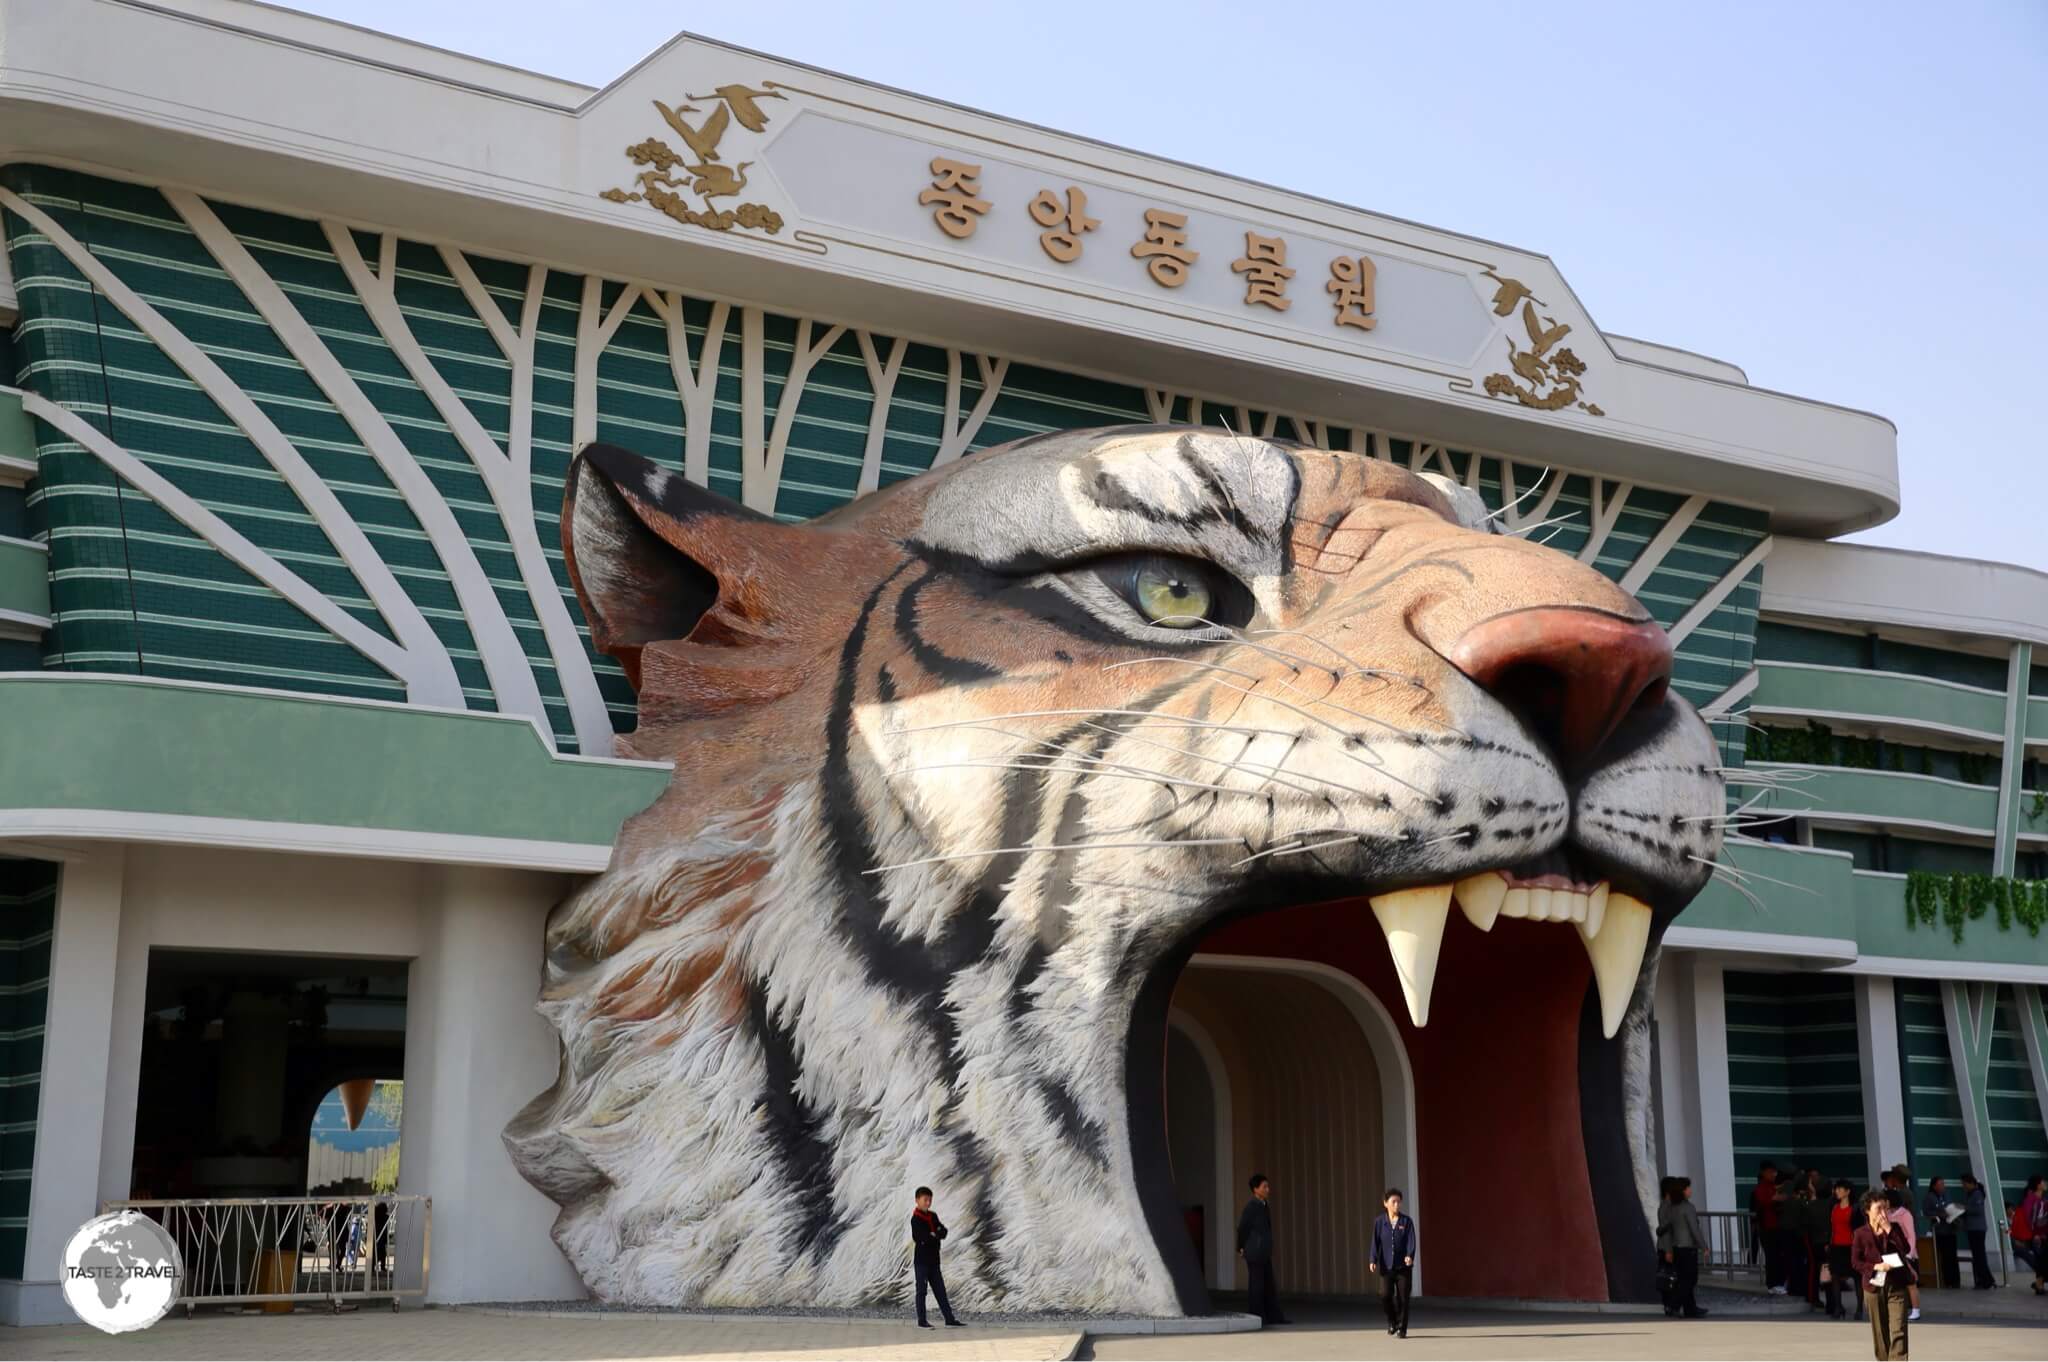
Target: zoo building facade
[(302, 732)]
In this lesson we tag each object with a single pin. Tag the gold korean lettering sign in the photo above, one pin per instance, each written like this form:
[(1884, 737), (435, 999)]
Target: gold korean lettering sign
[(1165, 248), (956, 189), (1063, 223), (1352, 280), (1264, 267)]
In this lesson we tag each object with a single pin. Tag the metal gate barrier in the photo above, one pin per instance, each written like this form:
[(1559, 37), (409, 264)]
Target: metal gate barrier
[(1731, 1249), (271, 1250)]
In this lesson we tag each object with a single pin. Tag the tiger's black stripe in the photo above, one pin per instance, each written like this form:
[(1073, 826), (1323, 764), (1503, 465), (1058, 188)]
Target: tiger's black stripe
[(956, 670), (794, 1130), (916, 975)]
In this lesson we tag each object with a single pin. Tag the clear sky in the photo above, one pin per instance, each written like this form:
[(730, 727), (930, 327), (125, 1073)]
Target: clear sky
[(1848, 200)]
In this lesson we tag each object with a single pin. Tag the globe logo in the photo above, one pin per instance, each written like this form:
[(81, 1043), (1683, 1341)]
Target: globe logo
[(121, 1272)]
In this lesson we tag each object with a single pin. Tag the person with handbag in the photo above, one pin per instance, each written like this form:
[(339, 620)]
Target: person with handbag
[(1841, 1234), (1901, 1214), (1948, 1268), (1976, 1226), (1764, 1199), (2025, 1228), (1679, 1242), (1884, 1270)]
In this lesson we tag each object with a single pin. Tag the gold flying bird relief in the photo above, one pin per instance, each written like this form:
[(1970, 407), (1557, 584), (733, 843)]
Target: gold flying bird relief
[(1510, 292), (702, 171), (1545, 334), (1551, 379), (702, 139), (718, 182), (740, 100)]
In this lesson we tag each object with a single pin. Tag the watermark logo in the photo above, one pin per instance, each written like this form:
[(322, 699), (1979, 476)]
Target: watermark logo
[(121, 1272)]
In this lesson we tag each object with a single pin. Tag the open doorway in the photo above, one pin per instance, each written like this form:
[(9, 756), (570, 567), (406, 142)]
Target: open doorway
[(240, 1050), (1294, 1070)]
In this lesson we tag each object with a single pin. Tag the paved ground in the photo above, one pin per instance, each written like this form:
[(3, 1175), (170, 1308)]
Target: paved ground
[(378, 1333), (1436, 1332), (2009, 1324)]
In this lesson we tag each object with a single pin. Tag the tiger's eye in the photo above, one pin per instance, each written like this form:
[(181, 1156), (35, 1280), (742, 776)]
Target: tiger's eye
[(1170, 597)]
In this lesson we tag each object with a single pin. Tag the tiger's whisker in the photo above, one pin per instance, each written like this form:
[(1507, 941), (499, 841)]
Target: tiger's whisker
[(1296, 848), (1061, 846), (1164, 747), (1133, 773), (1534, 488), (985, 719), (1744, 890), (1216, 761), (1536, 525), (1356, 666), (1747, 875)]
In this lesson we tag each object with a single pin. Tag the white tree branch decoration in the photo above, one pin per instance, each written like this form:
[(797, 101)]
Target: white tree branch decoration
[(1513, 514), (956, 435), (1720, 591), (761, 469), (507, 472), (1607, 509), (231, 543), (421, 661), (504, 657), (882, 380), (1159, 404), (1661, 544), (696, 383), (594, 331)]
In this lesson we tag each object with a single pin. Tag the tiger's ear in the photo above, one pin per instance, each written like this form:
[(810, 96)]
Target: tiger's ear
[(651, 555)]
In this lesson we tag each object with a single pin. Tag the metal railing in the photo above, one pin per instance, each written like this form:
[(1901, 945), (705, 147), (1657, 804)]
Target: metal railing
[(1731, 1247), (263, 1250)]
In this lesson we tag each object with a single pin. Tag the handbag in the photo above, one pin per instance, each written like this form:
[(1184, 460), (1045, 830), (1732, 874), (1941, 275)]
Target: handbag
[(1667, 1277)]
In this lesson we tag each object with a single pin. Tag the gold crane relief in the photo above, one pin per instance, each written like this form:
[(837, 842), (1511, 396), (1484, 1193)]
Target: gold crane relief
[(704, 172), (1544, 377)]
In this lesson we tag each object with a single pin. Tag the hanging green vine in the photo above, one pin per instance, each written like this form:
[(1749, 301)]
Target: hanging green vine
[(1958, 898), (1819, 745)]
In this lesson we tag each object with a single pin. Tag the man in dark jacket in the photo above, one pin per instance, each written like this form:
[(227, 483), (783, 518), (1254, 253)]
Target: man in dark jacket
[(926, 1230), (1976, 1225), (1393, 1261), (1934, 1220), (1255, 1246)]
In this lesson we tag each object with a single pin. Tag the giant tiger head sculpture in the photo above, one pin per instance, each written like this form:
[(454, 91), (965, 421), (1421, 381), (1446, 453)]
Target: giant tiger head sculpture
[(963, 771)]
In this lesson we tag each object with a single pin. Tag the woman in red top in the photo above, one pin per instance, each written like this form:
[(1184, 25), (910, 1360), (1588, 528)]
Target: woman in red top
[(1841, 1234)]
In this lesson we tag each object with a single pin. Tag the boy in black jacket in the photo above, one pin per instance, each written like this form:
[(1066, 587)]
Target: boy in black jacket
[(926, 1230)]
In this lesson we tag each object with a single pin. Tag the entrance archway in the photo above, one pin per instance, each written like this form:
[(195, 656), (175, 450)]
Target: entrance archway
[(1302, 1076)]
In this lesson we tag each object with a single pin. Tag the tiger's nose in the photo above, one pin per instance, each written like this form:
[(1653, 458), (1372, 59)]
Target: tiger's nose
[(1570, 673)]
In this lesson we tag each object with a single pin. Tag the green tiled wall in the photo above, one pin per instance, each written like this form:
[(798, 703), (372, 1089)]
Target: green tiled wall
[(1795, 1085), (1936, 1144), (2017, 1129), (28, 906)]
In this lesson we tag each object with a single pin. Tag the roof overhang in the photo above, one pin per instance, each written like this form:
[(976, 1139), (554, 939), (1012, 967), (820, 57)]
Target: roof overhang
[(1949, 599), (310, 117)]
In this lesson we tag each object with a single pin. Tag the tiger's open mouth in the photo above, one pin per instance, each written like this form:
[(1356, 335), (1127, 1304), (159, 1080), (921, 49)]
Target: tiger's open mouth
[(1522, 984)]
